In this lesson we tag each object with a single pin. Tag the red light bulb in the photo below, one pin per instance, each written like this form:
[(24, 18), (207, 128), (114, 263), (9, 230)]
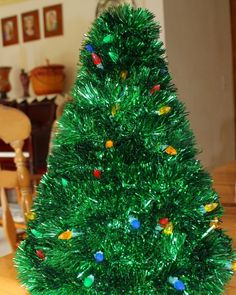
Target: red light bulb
[(97, 173), (155, 88), (164, 221), (96, 59), (40, 254)]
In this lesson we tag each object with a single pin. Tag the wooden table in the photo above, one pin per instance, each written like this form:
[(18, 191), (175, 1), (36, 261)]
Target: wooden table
[(9, 285), (224, 182), (8, 282), (229, 223)]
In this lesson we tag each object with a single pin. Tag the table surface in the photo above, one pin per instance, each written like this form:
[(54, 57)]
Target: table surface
[(9, 285), (229, 223), (8, 282)]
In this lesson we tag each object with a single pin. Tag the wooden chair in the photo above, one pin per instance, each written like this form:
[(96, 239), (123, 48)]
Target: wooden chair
[(60, 108), (15, 127)]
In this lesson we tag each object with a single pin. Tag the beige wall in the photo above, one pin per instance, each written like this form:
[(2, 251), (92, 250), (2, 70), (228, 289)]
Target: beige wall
[(78, 15), (157, 7), (198, 44)]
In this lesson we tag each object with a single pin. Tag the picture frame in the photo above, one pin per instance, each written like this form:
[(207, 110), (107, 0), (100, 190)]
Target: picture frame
[(30, 25), (10, 31), (53, 20)]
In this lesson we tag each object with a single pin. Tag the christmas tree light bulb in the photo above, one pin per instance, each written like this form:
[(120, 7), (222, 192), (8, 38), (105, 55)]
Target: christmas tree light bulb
[(88, 282), (66, 235), (179, 285), (109, 144), (108, 39), (31, 216), (170, 150), (97, 60), (168, 229), (164, 110), (89, 48), (234, 265), (176, 283), (97, 173), (99, 256), (123, 75), (155, 88), (114, 109), (210, 207), (40, 254), (135, 223), (36, 233), (163, 221), (64, 182)]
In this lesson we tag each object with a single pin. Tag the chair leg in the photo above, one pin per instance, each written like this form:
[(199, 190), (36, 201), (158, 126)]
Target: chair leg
[(23, 177), (7, 220)]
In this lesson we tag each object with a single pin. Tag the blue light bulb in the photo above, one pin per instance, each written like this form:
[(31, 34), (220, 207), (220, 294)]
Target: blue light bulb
[(99, 256), (90, 48), (135, 223), (179, 285)]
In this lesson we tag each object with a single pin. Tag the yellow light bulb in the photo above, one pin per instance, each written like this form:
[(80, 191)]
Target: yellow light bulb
[(31, 215), (211, 207), (234, 266), (170, 150), (115, 110), (66, 235), (109, 144), (123, 74), (164, 110), (168, 229)]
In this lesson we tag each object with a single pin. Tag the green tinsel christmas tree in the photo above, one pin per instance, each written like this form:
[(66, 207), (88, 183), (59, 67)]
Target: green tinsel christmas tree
[(125, 207)]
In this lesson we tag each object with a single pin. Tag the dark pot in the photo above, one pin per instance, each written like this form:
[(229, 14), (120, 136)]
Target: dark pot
[(5, 85)]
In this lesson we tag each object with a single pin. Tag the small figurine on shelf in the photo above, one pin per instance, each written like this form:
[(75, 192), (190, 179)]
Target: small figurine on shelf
[(25, 80)]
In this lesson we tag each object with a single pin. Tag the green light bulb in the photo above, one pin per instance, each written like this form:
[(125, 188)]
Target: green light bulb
[(108, 39), (36, 233), (89, 281), (64, 182)]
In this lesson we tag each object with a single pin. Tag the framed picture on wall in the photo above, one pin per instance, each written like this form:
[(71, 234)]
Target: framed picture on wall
[(10, 31), (53, 20), (30, 26)]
